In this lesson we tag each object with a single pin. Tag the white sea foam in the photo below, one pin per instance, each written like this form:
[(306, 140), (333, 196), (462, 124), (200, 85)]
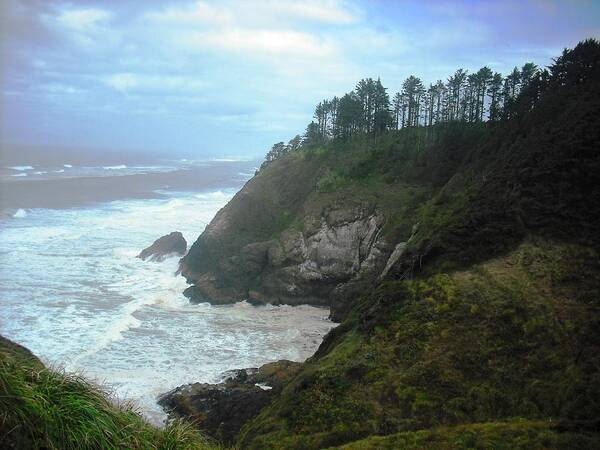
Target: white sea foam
[(119, 167), (20, 214), (68, 166), (19, 175), (40, 172), (216, 195), (84, 300), (59, 171), (228, 159), (21, 168)]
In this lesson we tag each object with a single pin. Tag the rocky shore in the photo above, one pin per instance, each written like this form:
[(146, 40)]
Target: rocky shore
[(221, 410)]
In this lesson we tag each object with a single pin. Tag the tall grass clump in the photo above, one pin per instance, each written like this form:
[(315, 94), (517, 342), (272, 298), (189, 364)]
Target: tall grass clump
[(43, 408)]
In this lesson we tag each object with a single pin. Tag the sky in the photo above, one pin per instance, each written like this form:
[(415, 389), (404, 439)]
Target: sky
[(231, 77)]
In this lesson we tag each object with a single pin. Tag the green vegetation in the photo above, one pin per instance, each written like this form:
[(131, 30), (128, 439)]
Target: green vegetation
[(42, 408), (515, 337), (465, 98), (487, 333), (516, 435)]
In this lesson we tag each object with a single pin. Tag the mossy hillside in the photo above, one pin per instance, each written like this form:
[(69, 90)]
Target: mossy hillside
[(517, 336), (515, 435), (41, 408)]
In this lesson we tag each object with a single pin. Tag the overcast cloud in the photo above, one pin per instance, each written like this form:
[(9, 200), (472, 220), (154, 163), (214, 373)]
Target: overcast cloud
[(232, 77)]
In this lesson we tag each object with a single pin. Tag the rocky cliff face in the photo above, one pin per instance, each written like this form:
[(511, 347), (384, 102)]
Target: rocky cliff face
[(332, 241)]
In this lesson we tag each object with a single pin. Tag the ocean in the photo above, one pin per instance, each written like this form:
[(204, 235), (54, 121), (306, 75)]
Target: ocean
[(75, 294)]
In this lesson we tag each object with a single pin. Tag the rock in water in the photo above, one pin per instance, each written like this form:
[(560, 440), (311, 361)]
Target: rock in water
[(170, 244)]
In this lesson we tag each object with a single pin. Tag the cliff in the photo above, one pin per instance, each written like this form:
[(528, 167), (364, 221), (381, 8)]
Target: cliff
[(320, 222), (463, 262)]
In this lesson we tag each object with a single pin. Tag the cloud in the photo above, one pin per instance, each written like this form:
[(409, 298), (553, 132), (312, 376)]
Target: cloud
[(197, 13), (271, 12), (245, 72), (82, 19), (61, 89), (125, 82), (253, 28), (326, 11), (121, 81), (269, 42)]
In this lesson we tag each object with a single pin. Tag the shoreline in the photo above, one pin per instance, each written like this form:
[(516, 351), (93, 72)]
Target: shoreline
[(148, 310)]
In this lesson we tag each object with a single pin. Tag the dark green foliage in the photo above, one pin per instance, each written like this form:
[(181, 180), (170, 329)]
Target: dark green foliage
[(541, 171), (488, 337)]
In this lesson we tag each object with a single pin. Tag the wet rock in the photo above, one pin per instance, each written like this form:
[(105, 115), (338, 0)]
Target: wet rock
[(336, 245), (221, 410), (169, 245)]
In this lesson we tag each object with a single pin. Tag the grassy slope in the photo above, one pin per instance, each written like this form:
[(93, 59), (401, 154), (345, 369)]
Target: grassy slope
[(515, 435), (41, 408), (498, 336), (515, 337)]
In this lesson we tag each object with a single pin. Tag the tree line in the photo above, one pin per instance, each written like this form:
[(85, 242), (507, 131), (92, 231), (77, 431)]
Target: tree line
[(466, 97)]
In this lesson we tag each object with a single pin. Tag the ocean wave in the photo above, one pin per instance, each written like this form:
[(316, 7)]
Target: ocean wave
[(132, 324), (216, 195), (19, 175), (68, 166), (119, 167), (20, 213), (59, 171), (21, 167), (228, 160), (40, 172)]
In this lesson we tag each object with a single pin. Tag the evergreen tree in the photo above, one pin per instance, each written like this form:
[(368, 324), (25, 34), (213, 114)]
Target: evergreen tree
[(349, 115), (295, 143), (454, 86), (528, 73), (381, 109), (397, 104), (413, 90), (484, 78), (312, 136), (495, 87)]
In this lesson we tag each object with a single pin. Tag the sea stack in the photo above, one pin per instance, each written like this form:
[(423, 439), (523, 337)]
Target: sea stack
[(169, 245)]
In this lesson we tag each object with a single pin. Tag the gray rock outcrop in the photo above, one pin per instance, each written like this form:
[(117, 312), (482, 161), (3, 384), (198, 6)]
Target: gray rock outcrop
[(303, 265), (172, 244)]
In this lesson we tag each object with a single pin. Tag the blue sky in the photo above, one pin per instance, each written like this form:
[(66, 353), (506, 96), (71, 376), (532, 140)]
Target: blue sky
[(229, 78)]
